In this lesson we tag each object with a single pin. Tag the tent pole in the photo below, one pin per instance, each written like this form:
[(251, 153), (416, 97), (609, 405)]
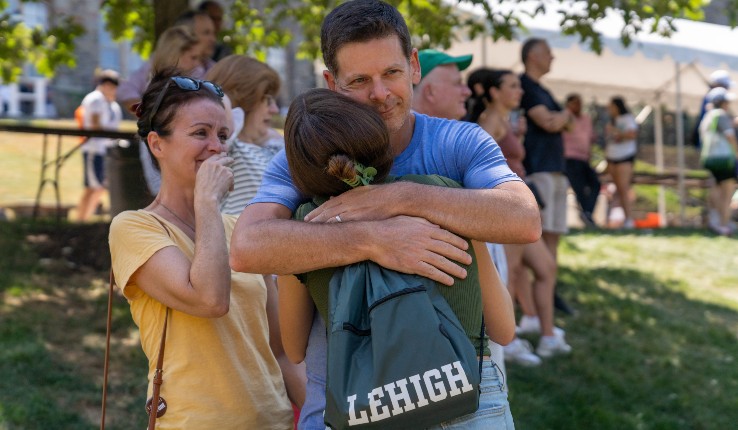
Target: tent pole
[(680, 143), (658, 124)]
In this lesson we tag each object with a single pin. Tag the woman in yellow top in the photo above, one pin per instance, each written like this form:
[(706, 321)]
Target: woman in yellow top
[(219, 367)]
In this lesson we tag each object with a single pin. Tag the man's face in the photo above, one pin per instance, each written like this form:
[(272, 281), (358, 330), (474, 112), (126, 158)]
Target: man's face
[(542, 57), (109, 90), (378, 74), (447, 91), (205, 32), (216, 14)]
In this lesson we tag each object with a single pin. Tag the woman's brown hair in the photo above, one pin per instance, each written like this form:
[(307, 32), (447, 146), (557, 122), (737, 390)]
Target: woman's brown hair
[(246, 80), (325, 134)]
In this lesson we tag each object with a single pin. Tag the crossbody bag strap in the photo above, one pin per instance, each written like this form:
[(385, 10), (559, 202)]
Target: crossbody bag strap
[(152, 407), (107, 351)]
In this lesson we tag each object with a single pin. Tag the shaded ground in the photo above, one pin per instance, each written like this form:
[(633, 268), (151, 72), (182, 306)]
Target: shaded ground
[(53, 304)]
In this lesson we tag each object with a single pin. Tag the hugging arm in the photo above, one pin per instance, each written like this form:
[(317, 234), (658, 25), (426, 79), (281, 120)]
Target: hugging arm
[(296, 311), (265, 240), (466, 212), (497, 306), (293, 374)]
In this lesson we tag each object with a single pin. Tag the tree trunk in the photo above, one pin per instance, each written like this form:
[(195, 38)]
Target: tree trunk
[(166, 12)]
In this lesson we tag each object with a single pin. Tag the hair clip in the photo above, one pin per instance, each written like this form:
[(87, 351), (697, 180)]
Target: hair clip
[(364, 175), (137, 109)]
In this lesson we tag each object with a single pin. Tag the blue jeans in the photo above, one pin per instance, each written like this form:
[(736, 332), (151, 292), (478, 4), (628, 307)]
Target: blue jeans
[(311, 415), (494, 410)]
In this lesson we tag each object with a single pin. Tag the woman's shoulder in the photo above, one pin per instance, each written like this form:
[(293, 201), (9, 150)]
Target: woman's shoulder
[(132, 218)]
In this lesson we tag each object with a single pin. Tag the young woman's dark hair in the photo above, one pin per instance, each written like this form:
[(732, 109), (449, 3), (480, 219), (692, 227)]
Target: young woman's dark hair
[(153, 116), (486, 79), (475, 103), (325, 134), (361, 21), (620, 105)]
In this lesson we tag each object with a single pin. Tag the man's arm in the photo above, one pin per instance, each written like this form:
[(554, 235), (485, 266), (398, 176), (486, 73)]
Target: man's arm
[(507, 213), (551, 121), (265, 240)]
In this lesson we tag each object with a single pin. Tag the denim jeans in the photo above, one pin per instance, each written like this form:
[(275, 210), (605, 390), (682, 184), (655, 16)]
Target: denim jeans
[(494, 409)]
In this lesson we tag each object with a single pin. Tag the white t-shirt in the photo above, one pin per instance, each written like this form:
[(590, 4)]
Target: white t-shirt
[(110, 116), (617, 151)]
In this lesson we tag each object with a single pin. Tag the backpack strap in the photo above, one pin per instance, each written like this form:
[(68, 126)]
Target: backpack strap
[(481, 346)]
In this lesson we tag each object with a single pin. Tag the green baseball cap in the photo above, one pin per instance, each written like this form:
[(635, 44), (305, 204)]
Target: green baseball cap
[(430, 58)]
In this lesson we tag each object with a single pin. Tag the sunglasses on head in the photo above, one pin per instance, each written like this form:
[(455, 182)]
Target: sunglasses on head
[(187, 84)]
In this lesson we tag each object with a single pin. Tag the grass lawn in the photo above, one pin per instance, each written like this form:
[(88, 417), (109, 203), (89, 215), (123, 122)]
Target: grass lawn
[(654, 341)]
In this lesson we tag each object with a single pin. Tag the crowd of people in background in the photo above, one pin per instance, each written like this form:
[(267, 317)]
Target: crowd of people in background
[(230, 202)]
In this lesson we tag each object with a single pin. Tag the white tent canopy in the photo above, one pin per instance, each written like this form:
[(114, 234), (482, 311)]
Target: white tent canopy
[(643, 72), (653, 70)]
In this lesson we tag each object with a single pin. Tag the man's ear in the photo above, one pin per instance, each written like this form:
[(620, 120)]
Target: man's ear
[(426, 92), (415, 66), (330, 80)]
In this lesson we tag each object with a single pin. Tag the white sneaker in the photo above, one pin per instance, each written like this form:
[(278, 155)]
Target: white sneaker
[(549, 346), (629, 224), (528, 325), (713, 218), (532, 325), (520, 352)]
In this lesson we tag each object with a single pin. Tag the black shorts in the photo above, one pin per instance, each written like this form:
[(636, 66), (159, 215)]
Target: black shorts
[(94, 170), (630, 159), (721, 175)]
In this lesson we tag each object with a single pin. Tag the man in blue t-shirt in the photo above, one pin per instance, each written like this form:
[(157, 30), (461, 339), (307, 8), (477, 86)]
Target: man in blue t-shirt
[(407, 227), (394, 225), (544, 147)]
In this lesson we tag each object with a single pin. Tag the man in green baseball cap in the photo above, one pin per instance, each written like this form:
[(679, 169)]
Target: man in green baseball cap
[(441, 91)]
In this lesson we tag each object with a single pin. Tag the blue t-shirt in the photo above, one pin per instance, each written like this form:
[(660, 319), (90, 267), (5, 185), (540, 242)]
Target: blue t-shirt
[(544, 151), (460, 151)]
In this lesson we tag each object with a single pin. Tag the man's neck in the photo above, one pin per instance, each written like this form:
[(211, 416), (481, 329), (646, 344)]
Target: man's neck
[(534, 74), (400, 139)]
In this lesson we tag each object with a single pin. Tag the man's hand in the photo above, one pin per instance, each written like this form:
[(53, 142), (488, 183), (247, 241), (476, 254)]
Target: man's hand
[(366, 203), (414, 245)]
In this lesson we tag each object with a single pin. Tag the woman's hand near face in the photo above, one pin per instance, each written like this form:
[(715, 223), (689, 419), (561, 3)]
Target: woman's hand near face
[(214, 178)]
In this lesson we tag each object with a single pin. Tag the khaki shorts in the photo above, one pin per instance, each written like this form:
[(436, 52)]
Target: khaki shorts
[(552, 187)]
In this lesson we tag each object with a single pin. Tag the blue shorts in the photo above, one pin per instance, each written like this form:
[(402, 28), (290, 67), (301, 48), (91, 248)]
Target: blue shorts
[(494, 409), (94, 170)]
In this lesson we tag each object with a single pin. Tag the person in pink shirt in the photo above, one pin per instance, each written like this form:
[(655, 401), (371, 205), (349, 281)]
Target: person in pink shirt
[(577, 151)]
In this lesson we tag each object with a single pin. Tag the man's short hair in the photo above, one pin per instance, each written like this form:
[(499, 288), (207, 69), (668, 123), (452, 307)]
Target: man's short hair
[(361, 21), (108, 75), (188, 17), (528, 46), (203, 6)]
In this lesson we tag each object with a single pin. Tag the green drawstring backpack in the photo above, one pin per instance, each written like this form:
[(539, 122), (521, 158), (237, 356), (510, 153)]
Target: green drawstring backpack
[(398, 358)]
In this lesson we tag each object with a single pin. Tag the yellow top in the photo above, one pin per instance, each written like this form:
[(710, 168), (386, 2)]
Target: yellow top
[(219, 373)]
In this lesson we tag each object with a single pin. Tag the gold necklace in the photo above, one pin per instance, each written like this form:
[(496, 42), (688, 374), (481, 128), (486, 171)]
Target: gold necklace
[(175, 215)]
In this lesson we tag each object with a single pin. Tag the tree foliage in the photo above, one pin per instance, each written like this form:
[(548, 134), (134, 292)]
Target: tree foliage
[(46, 49), (261, 24)]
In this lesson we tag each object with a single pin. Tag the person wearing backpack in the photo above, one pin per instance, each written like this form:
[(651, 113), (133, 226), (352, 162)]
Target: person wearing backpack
[(98, 111), (718, 155), (326, 157)]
